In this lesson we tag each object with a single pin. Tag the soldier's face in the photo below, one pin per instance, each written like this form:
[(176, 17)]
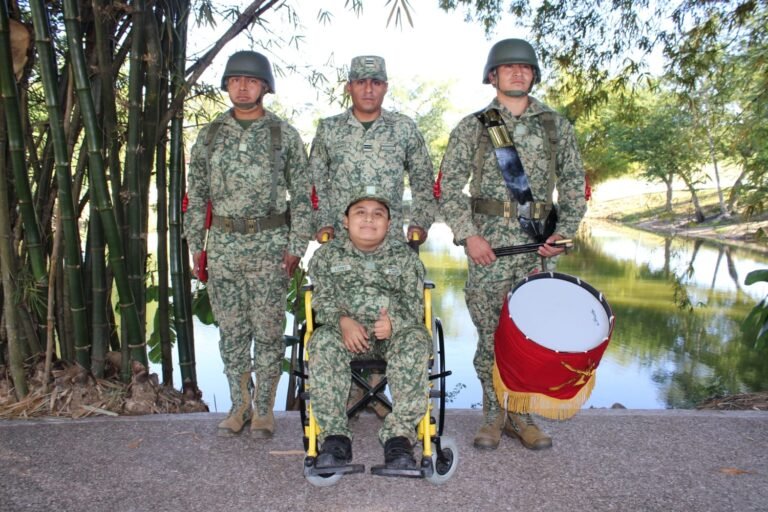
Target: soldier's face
[(512, 77), (367, 222), (367, 95), (246, 92)]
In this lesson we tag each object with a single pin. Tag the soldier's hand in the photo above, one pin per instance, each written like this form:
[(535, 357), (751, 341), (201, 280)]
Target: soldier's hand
[(354, 335), (324, 234), (196, 264), (382, 329), (290, 262), (547, 251), (479, 250), (421, 235)]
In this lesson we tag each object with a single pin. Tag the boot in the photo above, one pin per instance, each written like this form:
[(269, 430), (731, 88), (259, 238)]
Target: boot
[(489, 435), (522, 427), (263, 420), (336, 451), (240, 413), (398, 453)]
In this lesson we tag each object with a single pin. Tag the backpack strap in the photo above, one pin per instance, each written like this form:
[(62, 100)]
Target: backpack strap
[(276, 136), (547, 119), (483, 141), (210, 137)]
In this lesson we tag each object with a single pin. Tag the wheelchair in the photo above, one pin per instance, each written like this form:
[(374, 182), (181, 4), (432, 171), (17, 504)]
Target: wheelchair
[(439, 455)]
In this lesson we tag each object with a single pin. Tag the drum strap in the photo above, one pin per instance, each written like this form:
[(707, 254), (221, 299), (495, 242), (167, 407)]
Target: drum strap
[(530, 214)]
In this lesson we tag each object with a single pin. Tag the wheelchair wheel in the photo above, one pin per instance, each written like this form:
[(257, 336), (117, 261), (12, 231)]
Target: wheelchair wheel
[(301, 385), (438, 375), (326, 480), (445, 462)]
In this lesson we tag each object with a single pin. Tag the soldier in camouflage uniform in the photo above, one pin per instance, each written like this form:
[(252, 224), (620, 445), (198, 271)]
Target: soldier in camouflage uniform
[(244, 163), (369, 300), (368, 145), (486, 218)]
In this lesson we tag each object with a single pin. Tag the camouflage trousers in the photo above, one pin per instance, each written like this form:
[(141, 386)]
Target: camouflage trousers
[(407, 355), (485, 298), (249, 306)]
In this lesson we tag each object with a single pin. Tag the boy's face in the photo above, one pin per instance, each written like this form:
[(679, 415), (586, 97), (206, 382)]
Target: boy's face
[(367, 222)]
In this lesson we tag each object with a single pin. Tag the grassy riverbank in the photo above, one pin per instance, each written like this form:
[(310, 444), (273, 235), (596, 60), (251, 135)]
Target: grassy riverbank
[(642, 205)]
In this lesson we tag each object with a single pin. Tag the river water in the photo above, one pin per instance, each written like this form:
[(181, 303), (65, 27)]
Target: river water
[(678, 306)]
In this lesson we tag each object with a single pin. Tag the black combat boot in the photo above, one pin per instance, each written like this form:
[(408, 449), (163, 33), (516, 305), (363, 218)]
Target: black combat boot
[(398, 453), (336, 451)]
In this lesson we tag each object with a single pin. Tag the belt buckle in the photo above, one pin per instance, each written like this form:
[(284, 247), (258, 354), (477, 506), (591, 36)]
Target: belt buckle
[(251, 226), (508, 210)]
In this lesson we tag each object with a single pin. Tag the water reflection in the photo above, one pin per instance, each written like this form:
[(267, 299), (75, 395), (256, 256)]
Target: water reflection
[(678, 307)]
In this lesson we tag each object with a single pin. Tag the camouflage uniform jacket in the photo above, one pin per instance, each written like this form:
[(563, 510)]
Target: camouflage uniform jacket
[(240, 179), (346, 156), (353, 283), (531, 142)]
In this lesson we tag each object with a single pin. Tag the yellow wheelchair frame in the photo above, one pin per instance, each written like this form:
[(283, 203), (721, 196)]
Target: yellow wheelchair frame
[(439, 455)]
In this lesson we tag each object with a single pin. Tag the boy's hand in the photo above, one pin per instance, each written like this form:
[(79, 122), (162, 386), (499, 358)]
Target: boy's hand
[(354, 335), (382, 329)]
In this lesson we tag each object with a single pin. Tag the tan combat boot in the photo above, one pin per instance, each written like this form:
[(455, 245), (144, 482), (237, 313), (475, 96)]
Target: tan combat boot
[(240, 413), (489, 435), (523, 427), (263, 424)]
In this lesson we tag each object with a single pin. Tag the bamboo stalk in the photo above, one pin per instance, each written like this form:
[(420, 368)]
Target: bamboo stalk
[(179, 254), (15, 133), (67, 213), (99, 189)]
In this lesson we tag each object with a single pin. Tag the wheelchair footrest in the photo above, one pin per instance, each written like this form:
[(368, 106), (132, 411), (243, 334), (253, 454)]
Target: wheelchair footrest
[(346, 469), (425, 470)]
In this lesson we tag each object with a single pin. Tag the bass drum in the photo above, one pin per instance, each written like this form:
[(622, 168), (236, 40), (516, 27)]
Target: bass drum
[(552, 333)]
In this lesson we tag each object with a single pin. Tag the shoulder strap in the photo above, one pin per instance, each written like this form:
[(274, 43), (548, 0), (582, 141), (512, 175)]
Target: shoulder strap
[(210, 137), (548, 122), (276, 136), (483, 141)]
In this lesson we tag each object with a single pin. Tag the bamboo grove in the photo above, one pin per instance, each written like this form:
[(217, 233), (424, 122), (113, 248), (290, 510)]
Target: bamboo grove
[(92, 153)]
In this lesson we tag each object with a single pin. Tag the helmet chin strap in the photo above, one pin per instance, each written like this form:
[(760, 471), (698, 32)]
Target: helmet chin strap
[(251, 104), (512, 93)]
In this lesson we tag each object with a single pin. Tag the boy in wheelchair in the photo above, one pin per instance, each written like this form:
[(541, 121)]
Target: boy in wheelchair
[(368, 301)]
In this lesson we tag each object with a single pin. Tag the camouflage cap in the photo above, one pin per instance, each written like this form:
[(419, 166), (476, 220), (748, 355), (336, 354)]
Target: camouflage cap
[(368, 66), (368, 192)]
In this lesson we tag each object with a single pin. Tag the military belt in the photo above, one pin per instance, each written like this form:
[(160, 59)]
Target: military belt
[(250, 226), (509, 209)]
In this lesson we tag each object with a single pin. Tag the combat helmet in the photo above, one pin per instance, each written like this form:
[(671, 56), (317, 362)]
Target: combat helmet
[(248, 63), (512, 51)]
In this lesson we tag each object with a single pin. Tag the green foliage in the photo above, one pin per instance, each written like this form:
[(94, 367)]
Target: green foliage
[(294, 299), (755, 326), (201, 307)]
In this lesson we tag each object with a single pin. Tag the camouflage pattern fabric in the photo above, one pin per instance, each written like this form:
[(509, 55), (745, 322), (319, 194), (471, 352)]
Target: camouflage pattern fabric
[(487, 286), (246, 283), (345, 155), (349, 282), (368, 66)]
